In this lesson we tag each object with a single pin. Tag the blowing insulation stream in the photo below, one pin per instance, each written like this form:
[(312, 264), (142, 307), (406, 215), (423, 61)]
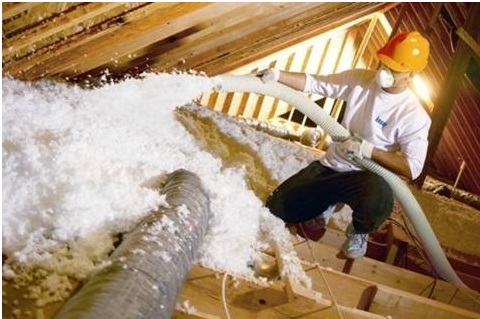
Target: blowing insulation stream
[(148, 269), (251, 83)]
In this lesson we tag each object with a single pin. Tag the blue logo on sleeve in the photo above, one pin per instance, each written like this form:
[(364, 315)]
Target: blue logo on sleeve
[(380, 121)]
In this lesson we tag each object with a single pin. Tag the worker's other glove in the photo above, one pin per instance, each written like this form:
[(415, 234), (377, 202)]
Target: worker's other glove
[(269, 75), (355, 147)]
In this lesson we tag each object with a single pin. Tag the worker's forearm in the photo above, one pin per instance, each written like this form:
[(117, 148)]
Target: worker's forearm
[(392, 161), (293, 79)]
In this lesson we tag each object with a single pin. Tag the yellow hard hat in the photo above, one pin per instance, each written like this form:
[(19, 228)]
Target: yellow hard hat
[(406, 52)]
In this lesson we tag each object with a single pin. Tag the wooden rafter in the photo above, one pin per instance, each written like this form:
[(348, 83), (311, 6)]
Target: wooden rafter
[(286, 33), (12, 9), (446, 100), (470, 41), (232, 35), (72, 20), (210, 37), (158, 25), (38, 14), (42, 55)]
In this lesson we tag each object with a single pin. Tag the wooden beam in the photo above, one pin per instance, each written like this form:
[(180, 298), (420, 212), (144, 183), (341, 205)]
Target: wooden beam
[(217, 41), (372, 300), (41, 55), (132, 37), (62, 24), (388, 301), (398, 21), (454, 78), (157, 26), (470, 41), (12, 9), (283, 34), (249, 298), (371, 270), (185, 42), (335, 113), (36, 15), (400, 304), (433, 18)]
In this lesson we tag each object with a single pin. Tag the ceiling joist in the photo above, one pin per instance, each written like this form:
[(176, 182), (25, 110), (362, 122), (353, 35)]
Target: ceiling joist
[(48, 53), (84, 41), (60, 27)]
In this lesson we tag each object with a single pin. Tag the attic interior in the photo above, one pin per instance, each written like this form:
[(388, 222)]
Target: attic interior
[(95, 45)]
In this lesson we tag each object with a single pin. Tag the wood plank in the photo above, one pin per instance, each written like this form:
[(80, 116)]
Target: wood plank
[(157, 26), (470, 41), (226, 45), (42, 55), (248, 298), (62, 24), (203, 290), (293, 300), (42, 11), (282, 35), (389, 301), (404, 305), (182, 47), (388, 275), (10, 9), (353, 297), (207, 299), (225, 40)]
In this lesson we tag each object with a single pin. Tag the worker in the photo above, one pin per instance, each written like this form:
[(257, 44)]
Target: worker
[(387, 124)]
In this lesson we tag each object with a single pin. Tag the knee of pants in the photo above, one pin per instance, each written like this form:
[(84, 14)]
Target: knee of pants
[(276, 206), (374, 207)]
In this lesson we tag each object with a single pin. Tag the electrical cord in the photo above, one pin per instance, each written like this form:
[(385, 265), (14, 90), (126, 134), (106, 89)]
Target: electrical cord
[(317, 265), (224, 299)]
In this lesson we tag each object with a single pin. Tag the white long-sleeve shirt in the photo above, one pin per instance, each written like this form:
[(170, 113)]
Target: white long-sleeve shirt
[(389, 121)]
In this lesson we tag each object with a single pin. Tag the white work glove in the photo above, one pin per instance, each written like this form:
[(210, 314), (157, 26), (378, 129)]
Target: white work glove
[(269, 75), (355, 147)]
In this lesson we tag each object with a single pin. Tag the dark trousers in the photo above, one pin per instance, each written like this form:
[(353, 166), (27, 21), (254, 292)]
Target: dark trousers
[(313, 189)]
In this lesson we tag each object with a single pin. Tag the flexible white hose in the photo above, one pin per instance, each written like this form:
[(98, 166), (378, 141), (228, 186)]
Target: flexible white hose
[(251, 83)]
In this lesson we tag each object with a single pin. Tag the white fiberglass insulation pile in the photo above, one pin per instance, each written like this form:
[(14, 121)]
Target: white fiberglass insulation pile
[(74, 162)]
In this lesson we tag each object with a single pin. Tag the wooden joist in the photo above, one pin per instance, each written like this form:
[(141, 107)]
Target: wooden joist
[(233, 34), (285, 33), (357, 298), (63, 26), (11, 9), (333, 294), (371, 270), (249, 299), (45, 55), (384, 300), (125, 40), (77, 41)]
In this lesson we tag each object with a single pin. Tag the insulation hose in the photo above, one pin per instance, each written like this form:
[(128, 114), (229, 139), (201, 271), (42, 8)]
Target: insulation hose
[(251, 83), (148, 269)]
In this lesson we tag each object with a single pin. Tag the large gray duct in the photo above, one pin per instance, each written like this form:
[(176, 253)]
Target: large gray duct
[(251, 83), (148, 269)]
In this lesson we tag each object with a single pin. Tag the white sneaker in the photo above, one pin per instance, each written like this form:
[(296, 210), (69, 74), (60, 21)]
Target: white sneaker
[(356, 244), (328, 213)]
